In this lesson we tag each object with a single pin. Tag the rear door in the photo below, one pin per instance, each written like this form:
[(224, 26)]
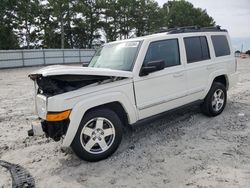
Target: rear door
[(198, 65)]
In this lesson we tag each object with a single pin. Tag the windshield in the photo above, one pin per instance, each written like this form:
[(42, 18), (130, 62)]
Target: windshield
[(119, 56)]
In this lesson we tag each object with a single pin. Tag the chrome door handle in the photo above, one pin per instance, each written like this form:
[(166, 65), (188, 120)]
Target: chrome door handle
[(179, 74)]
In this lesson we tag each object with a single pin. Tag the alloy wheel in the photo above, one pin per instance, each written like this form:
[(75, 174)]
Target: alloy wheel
[(218, 100), (97, 135)]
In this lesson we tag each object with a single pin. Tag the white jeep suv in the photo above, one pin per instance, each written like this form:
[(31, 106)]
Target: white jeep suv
[(131, 80)]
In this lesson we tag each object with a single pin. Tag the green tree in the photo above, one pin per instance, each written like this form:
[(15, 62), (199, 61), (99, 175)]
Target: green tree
[(125, 10), (123, 18), (147, 17), (8, 36), (87, 26), (110, 19), (182, 13), (61, 14), (48, 27), (27, 13), (81, 23)]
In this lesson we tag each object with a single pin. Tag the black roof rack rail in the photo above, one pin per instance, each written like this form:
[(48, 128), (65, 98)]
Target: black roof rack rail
[(191, 29)]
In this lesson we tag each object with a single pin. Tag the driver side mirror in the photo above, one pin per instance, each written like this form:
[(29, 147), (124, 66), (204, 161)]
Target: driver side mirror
[(152, 66)]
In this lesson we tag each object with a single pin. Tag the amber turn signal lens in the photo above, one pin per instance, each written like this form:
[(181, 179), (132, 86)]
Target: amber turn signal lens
[(58, 116)]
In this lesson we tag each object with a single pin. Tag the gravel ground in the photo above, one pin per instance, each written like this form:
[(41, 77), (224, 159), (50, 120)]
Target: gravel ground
[(181, 149)]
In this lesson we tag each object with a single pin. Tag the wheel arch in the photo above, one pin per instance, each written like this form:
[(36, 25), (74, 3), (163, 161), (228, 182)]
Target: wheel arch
[(219, 76), (117, 108), (115, 101), (222, 79)]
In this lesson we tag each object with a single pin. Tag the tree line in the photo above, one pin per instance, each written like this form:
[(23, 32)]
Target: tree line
[(87, 23)]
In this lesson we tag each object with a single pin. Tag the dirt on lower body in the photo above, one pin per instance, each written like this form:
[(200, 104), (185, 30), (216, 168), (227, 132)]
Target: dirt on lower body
[(181, 149)]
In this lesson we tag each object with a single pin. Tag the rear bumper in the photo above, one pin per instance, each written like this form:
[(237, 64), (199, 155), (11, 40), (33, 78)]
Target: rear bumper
[(233, 79)]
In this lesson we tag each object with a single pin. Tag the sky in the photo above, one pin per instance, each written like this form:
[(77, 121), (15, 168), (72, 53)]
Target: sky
[(233, 15)]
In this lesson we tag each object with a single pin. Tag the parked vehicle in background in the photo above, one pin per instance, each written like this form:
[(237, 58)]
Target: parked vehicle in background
[(244, 56), (130, 80)]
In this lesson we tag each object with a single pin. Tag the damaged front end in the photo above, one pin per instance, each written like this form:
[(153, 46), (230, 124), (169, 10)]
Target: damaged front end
[(55, 130), (58, 84), (55, 80), (55, 124)]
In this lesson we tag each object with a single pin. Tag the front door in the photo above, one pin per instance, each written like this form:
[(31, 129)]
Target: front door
[(162, 90)]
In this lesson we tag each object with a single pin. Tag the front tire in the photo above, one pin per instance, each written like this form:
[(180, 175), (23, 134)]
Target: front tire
[(98, 136), (215, 101)]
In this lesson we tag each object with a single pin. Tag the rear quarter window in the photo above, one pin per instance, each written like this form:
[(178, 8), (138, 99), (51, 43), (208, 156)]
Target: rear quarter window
[(221, 46)]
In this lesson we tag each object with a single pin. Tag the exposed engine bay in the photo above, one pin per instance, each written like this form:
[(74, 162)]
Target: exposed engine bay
[(58, 79), (58, 84)]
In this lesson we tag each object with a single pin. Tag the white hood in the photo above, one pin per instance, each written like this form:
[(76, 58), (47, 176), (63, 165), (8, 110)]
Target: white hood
[(75, 70)]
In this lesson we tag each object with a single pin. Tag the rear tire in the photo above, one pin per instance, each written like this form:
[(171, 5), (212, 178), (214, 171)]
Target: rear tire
[(215, 101), (98, 136)]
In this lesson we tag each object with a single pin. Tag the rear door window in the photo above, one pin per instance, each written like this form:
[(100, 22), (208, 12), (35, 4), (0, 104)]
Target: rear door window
[(221, 46), (196, 49)]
